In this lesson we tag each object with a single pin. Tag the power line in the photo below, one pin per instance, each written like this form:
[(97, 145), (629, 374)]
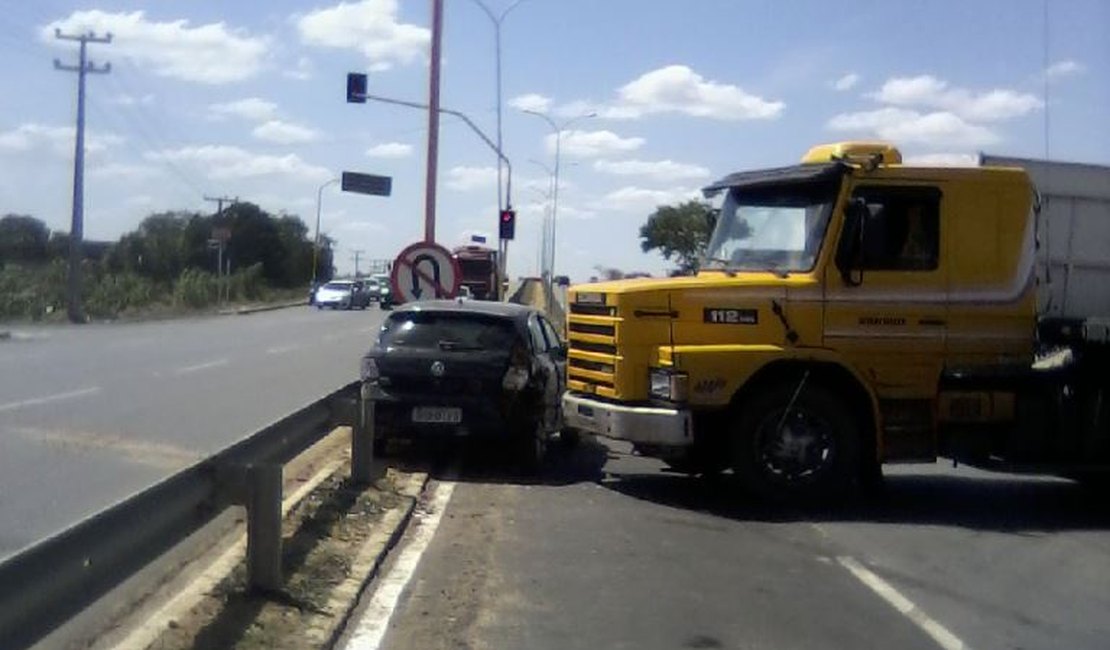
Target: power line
[(77, 227)]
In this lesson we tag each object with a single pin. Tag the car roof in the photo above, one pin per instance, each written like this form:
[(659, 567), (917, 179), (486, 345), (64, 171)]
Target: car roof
[(486, 307)]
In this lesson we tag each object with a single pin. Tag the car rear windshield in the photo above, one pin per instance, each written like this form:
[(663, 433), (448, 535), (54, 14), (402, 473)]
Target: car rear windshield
[(447, 331), (338, 286)]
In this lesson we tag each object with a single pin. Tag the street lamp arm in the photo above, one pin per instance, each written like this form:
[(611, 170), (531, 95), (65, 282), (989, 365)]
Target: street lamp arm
[(474, 127)]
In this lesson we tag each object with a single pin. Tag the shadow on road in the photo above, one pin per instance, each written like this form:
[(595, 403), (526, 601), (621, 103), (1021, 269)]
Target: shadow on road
[(1010, 504), (490, 462)]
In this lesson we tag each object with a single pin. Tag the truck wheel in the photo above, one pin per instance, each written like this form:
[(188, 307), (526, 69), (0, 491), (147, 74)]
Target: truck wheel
[(806, 454)]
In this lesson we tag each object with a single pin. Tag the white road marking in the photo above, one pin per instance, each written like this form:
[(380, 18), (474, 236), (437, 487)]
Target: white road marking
[(215, 363), (35, 401), (943, 637), (282, 349), (374, 622)]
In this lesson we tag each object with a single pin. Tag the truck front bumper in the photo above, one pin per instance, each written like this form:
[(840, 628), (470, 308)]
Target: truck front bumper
[(643, 425)]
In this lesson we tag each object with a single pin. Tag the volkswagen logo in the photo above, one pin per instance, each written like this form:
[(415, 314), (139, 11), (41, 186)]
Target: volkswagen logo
[(438, 368)]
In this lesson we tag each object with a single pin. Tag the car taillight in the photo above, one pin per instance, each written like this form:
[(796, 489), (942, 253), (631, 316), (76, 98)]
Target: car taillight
[(516, 377), (369, 370)]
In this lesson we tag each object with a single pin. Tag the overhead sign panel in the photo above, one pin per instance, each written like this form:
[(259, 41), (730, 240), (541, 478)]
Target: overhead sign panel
[(367, 183)]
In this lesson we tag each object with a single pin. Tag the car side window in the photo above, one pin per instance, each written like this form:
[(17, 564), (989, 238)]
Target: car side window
[(539, 344), (553, 339), (902, 230)]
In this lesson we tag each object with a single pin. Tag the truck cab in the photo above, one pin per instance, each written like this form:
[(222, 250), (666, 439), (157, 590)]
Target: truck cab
[(850, 311)]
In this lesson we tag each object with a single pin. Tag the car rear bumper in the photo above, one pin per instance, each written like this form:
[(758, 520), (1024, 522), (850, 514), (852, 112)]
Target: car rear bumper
[(481, 416), (644, 425)]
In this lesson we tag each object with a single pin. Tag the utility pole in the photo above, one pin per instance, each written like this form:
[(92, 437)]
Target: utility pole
[(77, 226), (356, 256), (220, 237), (433, 123)]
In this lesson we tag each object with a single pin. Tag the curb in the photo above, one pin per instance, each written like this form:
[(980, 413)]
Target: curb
[(242, 311), (367, 565)]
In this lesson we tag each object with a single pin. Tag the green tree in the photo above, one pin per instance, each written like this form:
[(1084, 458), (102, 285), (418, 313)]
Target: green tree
[(679, 231), (22, 239)]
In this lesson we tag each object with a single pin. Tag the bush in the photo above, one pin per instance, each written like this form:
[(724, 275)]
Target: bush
[(111, 294), (196, 289)]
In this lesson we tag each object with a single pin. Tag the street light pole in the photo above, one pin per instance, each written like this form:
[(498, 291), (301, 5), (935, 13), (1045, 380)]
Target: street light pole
[(497, 19), (558, 131), (546, 227), (316, 246)]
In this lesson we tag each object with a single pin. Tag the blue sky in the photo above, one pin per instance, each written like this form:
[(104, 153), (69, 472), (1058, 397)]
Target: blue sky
[(246, 99)]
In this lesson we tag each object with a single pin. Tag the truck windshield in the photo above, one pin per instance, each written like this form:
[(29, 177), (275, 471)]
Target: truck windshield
[(778, 228)]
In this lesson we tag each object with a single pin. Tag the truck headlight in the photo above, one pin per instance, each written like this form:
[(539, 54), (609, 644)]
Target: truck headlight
[(670, 385)]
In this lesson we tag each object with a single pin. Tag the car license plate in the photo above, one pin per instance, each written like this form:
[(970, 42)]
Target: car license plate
[(436, 415)]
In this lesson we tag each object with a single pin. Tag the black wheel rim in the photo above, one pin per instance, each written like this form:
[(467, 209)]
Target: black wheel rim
[(797, 448)]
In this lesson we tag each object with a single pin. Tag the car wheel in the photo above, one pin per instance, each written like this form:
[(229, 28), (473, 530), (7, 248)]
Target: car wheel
[(532, 450), (797, 447), (570, 438)]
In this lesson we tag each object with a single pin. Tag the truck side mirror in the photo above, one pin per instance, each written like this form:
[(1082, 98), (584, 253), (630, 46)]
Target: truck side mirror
[(849, 255)]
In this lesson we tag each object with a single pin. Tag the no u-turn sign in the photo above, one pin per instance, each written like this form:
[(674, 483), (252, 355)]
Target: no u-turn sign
[(425, 271)]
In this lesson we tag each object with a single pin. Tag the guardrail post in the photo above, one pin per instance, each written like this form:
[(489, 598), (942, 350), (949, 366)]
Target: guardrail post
[(264, 527), (362, 444)]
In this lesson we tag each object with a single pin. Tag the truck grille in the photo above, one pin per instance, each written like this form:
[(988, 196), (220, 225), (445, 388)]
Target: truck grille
[(593, 363)]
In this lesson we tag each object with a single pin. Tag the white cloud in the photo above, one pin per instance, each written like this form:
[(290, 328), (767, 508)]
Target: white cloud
[(1064, 68), (659, 169), (211, 53), (390, 150), (280, 132), (464, 178), (370, 27), (122, 171), (58, 139), (937, 129), (591, 144), (251, 108), (531, 102), (678, 89), (929, 92), (132, 100), (638, 199), (223, 162), (847, 82), (943, 160), (303, 70)]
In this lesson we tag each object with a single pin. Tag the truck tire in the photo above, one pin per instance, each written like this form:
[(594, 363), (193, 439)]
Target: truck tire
[(806, 455)]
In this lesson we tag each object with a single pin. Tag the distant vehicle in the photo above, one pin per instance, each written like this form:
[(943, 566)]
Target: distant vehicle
[(342, 294), (448, 368), (480, 270), (385, 291)]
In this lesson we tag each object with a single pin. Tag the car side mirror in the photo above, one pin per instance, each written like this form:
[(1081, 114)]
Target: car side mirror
[(849, 255), (560, 353)]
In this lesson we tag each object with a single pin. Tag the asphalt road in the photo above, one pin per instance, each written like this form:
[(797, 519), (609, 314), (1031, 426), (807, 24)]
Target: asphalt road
[(92, 414), (608, 551)]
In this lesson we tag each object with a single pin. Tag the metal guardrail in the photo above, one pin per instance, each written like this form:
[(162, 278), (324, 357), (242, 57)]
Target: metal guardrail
[(48, 583)]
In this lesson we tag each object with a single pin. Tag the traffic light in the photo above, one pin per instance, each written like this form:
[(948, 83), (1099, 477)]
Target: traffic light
[(356, 88), (507, 224)]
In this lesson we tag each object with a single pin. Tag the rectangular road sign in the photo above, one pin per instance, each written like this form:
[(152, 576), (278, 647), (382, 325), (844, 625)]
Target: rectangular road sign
[(367, 183)]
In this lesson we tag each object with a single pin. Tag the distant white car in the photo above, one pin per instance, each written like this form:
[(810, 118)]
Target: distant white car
[(342, 294)]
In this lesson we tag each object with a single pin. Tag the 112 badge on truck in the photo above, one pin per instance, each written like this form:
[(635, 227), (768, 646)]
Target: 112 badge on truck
[(728, 316)]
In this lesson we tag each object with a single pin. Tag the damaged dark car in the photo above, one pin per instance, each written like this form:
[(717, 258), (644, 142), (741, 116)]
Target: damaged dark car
[(448, 370)]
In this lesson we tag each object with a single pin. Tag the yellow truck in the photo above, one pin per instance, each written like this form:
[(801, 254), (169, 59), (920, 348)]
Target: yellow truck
[(853, 311)]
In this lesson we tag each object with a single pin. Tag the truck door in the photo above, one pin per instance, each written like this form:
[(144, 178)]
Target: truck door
[(889, 316)]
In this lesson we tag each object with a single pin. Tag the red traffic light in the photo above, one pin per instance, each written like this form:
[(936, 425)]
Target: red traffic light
[(507, 225)]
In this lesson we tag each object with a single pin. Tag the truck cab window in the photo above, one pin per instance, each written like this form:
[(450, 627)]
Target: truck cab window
[(902, 229)]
